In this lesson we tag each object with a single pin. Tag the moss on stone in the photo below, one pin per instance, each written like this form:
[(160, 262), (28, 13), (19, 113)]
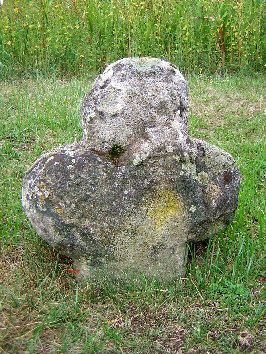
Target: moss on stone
[(115, 152)]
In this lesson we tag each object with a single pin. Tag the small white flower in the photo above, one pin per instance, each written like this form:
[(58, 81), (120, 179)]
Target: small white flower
[(1, 2)]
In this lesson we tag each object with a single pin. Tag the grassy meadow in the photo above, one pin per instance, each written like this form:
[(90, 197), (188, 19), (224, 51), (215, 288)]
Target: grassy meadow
[(50, 51), (69, 38), (217, 307)]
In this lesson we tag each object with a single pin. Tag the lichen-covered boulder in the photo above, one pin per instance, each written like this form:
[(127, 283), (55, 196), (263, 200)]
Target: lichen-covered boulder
[(128, 197)]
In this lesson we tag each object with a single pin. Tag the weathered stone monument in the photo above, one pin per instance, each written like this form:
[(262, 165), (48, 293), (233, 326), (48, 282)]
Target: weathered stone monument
[(130, 195)]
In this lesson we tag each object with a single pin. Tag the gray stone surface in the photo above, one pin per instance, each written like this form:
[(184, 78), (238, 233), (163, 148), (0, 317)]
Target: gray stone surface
[(138, 103), (129, 196)]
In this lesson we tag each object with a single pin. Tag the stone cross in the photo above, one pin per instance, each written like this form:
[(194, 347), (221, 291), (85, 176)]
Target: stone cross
[(128, 197)]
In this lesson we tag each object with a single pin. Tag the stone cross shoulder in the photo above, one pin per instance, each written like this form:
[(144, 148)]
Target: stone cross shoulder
[(130, 195)]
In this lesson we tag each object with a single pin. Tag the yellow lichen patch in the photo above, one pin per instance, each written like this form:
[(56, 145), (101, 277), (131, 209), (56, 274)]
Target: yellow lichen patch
[(41, 185), (59, 210), (41, 193), (162, 208)]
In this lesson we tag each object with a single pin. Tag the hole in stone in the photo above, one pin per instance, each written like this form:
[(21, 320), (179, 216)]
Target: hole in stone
[(116, 151)]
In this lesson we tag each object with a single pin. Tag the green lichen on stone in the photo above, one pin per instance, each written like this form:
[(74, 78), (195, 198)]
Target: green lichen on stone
[(162, 207), (203, 178), (189, 168), (216, 159), (143, 64)]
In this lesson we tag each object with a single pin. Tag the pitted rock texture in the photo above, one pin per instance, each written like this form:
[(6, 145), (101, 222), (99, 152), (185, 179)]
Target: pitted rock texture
[(139, 104), (128, 197)]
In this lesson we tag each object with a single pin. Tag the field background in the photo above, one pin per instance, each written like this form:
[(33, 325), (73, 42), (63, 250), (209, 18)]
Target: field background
[(49, 53), (74, 37)]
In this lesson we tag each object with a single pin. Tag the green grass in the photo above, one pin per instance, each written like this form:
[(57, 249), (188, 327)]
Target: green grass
[(217, 307), (73, 37)]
